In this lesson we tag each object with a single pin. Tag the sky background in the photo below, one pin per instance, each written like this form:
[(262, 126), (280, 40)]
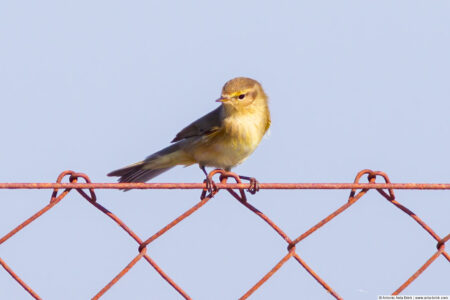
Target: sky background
[(92, 86)]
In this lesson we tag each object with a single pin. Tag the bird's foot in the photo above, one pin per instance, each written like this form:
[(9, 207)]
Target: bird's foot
[(210, 185), (254, 184)]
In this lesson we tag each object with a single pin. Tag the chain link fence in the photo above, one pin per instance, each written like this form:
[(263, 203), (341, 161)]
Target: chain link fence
[(239, 191)]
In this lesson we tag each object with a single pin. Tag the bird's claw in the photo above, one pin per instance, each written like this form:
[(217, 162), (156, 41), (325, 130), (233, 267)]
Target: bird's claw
[(210, 185), (254, 186)]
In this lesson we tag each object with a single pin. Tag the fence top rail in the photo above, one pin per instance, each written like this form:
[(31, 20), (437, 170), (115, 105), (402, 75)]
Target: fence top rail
[(267, 186)]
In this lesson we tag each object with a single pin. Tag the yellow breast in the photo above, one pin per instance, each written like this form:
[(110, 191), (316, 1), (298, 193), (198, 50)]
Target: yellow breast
[(234, 142)]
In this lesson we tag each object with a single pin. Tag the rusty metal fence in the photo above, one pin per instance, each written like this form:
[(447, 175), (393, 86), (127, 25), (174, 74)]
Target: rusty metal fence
[(238, 191)]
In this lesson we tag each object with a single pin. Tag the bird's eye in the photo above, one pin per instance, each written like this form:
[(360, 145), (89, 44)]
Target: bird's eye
[(241, 96)]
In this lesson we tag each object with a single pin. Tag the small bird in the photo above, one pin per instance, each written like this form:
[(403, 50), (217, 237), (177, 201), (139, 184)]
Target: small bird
[(223, 138)]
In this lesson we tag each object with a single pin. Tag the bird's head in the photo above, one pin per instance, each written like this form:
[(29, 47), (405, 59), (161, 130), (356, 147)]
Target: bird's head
[(240, 93)]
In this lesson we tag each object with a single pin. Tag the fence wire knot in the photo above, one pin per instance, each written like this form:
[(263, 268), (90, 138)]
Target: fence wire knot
[(208, 190)]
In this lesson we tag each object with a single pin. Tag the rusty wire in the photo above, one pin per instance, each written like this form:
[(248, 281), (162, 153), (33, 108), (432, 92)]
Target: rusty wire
[(358, 190)]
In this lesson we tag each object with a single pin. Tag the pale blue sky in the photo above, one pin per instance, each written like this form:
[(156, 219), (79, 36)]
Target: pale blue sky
[(93, 86)]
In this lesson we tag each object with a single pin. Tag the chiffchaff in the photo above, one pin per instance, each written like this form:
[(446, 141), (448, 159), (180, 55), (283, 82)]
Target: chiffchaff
[(223, 138)]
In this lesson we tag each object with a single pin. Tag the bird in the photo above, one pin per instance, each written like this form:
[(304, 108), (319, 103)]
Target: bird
[(223, 138)]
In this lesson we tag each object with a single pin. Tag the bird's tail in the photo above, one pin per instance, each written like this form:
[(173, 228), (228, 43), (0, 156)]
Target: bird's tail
[(137, 173), (153, 165)]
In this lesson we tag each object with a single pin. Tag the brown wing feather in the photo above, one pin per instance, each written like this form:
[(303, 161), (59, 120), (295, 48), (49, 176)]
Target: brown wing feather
[(207, 124)]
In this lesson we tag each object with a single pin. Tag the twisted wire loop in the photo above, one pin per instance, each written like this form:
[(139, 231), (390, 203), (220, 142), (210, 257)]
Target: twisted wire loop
[(209, 190)]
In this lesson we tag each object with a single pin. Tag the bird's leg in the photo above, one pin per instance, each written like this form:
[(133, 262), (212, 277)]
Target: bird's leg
[(254, 184), (210, 185)]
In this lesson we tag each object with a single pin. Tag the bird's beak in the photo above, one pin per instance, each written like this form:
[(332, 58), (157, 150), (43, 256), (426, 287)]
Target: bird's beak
[(222, 99)]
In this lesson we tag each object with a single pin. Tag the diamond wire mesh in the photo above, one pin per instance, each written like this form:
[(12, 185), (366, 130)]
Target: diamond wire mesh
[(358, 190)]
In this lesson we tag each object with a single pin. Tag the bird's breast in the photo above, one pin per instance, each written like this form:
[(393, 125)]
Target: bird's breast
[(243, 131), (233, 143)]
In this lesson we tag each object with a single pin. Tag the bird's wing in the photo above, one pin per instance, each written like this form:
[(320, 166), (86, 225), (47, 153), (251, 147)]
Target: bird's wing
[(207, 124)]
